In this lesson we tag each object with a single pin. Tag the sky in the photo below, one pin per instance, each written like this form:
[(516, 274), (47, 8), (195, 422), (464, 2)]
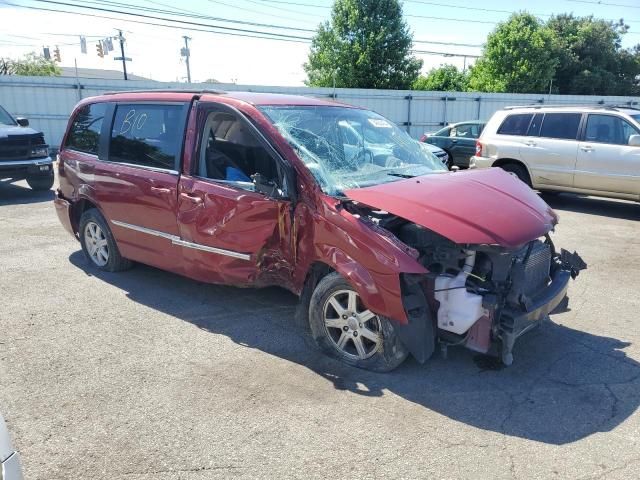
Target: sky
[(155, 50)]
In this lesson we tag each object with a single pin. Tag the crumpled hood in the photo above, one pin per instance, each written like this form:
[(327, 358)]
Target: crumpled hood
[(6, 130), (474, 206)]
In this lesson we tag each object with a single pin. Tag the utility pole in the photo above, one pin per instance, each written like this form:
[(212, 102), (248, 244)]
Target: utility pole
[(124, 59), (186, 54)]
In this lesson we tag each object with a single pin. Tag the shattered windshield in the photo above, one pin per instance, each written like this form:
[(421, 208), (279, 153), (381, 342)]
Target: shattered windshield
[(348, 148)]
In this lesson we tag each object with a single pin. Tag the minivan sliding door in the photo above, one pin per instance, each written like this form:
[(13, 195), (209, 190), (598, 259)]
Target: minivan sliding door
[(136, 179)]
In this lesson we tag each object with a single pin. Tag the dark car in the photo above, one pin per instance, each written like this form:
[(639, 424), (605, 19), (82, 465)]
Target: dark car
[(24, 153), (389, 252), (458, 140)]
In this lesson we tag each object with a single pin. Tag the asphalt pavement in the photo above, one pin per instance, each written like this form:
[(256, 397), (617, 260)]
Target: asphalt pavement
[(148, 375)]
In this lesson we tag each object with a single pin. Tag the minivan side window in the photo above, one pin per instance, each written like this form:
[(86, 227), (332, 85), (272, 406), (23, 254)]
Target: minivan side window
[(516, 124), (147, 135), (536, 123), (608, 129), (84, 133), (231, 152), (561, 125)]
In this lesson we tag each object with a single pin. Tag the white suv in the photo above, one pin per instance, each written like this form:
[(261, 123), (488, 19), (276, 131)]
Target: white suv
[(589, 150)]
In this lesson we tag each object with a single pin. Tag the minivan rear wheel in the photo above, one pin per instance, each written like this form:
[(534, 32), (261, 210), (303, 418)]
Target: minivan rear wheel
[(344, 328), (517, 170), (98, 244)]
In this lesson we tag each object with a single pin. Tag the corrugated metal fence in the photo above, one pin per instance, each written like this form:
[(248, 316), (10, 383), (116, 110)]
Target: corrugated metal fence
[(48, 101)]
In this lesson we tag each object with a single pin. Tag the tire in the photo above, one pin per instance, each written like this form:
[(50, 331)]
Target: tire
[(98, 244), (364, 340), (450, 163), (40, 184), (517, 170)]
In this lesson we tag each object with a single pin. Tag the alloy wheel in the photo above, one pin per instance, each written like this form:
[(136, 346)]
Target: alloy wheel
[(354, 330), (96, 244)]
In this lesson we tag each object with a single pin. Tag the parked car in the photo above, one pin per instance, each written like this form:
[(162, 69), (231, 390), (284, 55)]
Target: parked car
[(389, 253), (370, 144), (458, 140), (588, 150), (10, 467), (24, 153)]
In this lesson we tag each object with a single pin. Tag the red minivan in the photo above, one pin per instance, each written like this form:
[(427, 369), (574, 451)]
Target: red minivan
[(388, 252)]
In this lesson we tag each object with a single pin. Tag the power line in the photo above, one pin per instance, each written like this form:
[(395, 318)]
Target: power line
[(185, 22), (261, 12), (606, 4), (260, 35), (173, 12)]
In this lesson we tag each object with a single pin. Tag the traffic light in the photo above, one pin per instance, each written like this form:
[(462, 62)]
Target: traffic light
[(100, 50), (56, 55)]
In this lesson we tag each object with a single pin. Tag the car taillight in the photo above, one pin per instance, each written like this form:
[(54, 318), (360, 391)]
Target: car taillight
[(478, 148), (423, 138)]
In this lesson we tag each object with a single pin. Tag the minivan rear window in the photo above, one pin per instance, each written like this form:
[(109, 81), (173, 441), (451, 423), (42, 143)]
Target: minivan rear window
[(146, 135), (84, 134), (516, 124), (561, 125)]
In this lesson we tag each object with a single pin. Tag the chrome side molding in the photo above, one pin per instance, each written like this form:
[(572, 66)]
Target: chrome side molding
[(183, 243)]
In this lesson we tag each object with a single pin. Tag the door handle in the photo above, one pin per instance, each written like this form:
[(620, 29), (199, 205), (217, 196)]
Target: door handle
[(530, 143), (191, 197), (160, 190), (454, 141), (587, 148)]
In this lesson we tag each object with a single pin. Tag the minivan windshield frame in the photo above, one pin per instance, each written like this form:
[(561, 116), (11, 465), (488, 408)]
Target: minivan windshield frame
[(346, 148)]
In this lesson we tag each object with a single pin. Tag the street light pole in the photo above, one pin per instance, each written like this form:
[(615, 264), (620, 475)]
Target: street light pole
[(124, 61), (186, 54)]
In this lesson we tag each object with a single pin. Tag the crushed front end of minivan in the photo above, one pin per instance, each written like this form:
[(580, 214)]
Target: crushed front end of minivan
[(492, 270)]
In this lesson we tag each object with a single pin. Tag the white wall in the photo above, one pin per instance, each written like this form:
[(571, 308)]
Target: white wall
[(48, 101)]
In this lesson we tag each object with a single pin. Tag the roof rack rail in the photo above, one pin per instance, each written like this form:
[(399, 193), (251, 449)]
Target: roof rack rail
[(168, 90), (603, 106)]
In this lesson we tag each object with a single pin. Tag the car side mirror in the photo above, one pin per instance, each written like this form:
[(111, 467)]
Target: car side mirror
[(265, 186), (23, 122), (634, 141)]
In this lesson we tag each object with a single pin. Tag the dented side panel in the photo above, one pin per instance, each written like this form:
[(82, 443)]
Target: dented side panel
[(246, 226)]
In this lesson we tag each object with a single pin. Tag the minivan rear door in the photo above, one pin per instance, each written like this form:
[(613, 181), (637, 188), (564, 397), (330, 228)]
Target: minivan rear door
[(606, 161), (136, 180), (550, 148), (234, 211)]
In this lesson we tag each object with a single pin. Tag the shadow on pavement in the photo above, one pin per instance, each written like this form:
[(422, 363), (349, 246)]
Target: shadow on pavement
[(12, 194), (593, 206), (564, 385)]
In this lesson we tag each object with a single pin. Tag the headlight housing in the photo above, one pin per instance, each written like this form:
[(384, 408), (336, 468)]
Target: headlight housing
[(39, 152)]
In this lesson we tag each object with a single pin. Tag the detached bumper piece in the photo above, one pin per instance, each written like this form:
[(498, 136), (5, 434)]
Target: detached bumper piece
[(516, 322)]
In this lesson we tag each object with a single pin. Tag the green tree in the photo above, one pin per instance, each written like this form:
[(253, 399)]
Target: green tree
[(446, 78), (366, 44), (591, 60), (30, 65), (519, 57)]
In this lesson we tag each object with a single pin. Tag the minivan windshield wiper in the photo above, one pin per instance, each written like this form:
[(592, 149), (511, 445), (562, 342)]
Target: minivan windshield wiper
[(401, 175)]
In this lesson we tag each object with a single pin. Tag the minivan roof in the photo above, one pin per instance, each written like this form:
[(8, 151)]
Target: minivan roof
[(254, 98)]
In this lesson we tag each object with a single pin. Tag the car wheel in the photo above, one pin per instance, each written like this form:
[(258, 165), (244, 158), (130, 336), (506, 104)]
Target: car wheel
[(345, 329), (518, 171), (98, 244), (39, 183)]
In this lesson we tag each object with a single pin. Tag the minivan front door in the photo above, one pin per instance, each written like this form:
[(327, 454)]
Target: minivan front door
[(233, 229), (606, 161)]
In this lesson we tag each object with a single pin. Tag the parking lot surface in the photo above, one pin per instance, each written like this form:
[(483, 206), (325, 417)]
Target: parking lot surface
[(147, 375)]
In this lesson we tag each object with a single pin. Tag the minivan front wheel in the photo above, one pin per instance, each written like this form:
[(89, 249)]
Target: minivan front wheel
[(344, 328), (98, 244)]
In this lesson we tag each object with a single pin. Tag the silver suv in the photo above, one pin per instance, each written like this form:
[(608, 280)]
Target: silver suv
[(589, 150)]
